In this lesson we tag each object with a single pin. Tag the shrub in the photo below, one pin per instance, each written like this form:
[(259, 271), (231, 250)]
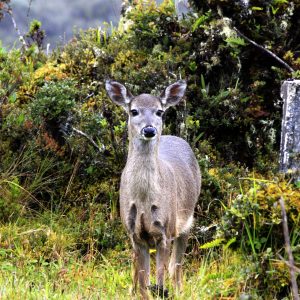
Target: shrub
[(254, 218), (54, 101)]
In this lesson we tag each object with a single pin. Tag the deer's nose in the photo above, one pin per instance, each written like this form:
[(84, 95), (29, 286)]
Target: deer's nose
[(149, 131)]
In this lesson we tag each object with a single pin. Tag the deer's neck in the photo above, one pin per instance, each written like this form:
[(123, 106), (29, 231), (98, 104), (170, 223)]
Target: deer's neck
[(143, 167), (143, 150)]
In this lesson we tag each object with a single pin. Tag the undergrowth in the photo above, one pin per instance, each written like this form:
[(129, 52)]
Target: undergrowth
[(40, 258)]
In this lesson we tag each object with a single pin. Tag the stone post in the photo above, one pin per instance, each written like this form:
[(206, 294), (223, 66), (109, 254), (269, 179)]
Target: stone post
[(290, 131)]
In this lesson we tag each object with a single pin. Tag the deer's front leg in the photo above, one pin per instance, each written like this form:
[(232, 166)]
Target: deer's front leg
[(141, 269), (162, 258)]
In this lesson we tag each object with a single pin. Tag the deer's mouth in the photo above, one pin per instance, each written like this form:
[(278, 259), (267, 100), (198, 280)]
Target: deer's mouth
[(149, 132)]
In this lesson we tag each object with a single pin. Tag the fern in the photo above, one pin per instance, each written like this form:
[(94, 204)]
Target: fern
[(235, 41), (200, 21), (231, 241), (212, 244)]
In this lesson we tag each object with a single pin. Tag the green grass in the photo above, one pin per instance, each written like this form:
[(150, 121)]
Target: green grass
[(59, 280), (41, 259), (43, 263)]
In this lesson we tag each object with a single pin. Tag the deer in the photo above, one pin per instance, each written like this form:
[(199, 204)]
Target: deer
[(159, 187)]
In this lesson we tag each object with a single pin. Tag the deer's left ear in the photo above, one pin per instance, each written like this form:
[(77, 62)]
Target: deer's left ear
[(173, 93)]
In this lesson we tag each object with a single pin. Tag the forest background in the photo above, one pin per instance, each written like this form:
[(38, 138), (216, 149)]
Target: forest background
[(63, 146)]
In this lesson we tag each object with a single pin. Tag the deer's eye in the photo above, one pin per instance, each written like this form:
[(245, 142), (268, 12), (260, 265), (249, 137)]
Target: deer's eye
[(134, 112), (159, 113)]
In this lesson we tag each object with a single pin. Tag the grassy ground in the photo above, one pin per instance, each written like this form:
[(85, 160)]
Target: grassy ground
[(41, 259)]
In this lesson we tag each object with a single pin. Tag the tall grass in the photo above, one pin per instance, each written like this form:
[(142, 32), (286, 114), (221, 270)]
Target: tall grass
[(41, 259)]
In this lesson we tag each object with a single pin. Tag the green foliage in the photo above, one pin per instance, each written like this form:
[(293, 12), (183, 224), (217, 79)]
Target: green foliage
[(35, 25), (199, 23), (212, 244), (54, 100), (254, 220), (35, 35), (13, 73), (258, 210), (152, 25)]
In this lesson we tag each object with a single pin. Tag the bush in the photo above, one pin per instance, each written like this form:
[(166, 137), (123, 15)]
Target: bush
[(54, 101), (253, 223)]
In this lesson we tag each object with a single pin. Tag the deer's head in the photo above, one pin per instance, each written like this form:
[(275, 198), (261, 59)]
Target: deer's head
[(145, 111)]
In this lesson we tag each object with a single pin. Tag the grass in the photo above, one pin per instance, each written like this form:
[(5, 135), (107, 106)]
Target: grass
[(41, 261), (83, 253), (40, 258), (78, 252), (59, 280)]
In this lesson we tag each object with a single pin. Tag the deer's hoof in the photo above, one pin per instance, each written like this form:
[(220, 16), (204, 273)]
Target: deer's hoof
[(158, 291)]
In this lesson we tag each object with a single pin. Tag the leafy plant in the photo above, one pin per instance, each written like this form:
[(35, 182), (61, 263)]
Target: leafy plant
[(54, 101), (36, 35)]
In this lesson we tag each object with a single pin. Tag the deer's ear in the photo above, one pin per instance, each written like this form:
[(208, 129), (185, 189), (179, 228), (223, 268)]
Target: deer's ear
[(173, 93), (118, 93)]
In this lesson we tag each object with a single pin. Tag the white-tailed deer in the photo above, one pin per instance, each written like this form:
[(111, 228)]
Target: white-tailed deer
[(160, 185)]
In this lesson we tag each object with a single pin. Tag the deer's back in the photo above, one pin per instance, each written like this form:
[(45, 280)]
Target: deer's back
[(180, 156)]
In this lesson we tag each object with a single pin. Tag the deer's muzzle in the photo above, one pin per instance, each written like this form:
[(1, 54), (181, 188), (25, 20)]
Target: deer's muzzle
[(149, 132)]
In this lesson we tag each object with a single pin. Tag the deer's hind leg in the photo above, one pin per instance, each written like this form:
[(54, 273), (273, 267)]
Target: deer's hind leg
[(175, 265)]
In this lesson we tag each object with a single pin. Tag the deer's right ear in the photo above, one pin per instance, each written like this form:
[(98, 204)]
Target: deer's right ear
[(118, 93)]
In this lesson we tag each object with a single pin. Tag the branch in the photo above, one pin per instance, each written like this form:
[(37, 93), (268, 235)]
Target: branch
[(21, 38), (88, 138), (29, 7), (289, 250), (288, 264), (287, 66)]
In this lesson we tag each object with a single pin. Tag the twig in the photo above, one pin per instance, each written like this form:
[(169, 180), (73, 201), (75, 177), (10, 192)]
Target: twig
[(29, 7), (289, 250), (76, 166), (287, 66), (88, 138), (22, 40), (89, 96), (288, 264)]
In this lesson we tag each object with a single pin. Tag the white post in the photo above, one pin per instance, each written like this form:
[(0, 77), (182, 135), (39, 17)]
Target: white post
[(290, 132)]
